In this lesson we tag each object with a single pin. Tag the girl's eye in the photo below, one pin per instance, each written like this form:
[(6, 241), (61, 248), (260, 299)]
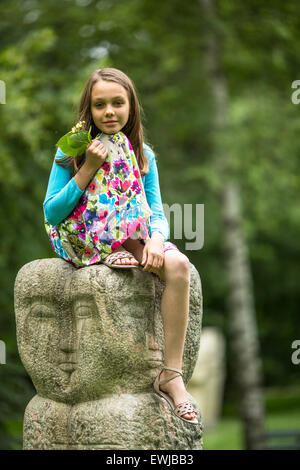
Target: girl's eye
[(117, 103)]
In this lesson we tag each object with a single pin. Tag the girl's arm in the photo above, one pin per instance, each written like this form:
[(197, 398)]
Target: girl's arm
[(63, 192), (158, 220)]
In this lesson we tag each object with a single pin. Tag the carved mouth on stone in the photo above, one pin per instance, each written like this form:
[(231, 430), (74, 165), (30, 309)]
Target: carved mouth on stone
[(68, 366), (154, 361)]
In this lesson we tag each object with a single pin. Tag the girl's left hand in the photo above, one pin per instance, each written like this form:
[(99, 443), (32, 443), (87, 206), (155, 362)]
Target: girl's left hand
[(153, 254)]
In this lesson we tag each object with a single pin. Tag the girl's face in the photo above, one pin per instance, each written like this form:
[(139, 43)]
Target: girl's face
[(109, 106)]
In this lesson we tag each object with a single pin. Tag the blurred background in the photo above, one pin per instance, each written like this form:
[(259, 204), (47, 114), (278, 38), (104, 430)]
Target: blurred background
[(214, 79)]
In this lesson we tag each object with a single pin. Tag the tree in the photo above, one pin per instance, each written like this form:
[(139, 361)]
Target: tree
[(242, 321)]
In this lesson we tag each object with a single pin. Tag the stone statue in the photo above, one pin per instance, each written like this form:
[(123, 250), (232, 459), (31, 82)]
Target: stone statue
[(91, 339)]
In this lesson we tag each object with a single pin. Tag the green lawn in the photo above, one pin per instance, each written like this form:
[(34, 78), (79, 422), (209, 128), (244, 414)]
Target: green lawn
[(282, 413), (227, 435)]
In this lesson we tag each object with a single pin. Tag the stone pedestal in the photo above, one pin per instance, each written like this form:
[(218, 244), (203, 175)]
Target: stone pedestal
[(92, 341)]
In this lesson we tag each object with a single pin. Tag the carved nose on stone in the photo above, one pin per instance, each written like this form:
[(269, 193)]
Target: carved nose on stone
[(68, 346), (151, 343), (154, 354), (67, 359)]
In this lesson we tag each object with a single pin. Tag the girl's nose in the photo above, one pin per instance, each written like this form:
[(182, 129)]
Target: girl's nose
[(109, 110)]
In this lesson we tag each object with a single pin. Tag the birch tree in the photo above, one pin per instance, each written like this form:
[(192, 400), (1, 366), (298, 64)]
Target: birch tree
[(240, 298)]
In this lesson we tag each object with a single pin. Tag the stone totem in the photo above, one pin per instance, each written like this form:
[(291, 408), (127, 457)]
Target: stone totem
[(91, 339)]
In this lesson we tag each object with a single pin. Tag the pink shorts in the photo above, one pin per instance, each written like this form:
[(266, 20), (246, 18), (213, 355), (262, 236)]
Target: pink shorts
[(167, 245)]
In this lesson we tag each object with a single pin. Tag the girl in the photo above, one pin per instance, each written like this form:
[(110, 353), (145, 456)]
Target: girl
[(109, 104)]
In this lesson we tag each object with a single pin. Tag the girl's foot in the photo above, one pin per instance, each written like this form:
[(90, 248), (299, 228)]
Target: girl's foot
[(125, 260), (176, 389)]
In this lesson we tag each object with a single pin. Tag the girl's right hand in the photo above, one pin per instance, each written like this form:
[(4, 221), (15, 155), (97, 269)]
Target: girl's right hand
[(95, 155)]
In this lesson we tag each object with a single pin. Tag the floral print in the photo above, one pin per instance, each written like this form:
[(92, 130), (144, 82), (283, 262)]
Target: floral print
[(112, 208)]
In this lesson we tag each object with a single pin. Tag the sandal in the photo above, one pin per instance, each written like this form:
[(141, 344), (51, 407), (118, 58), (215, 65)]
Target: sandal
[(110, 259), (182, 408)]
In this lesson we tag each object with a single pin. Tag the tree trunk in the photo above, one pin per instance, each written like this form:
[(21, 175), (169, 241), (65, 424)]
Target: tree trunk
[(240, 300)]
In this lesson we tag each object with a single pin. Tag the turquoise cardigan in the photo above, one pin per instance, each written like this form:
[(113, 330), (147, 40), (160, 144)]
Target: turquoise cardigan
[(63, 194)]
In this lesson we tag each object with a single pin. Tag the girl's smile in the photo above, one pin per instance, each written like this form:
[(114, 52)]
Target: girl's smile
[(109, 106)]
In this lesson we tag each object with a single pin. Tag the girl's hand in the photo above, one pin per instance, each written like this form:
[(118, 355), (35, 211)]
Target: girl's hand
[(95, 155), (153, 253)]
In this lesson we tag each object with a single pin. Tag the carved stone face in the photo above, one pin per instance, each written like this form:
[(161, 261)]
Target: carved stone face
[(87, 333)]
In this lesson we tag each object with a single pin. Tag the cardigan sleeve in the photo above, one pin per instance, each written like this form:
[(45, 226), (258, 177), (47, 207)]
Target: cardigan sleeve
[(158, 220), (63, 193)]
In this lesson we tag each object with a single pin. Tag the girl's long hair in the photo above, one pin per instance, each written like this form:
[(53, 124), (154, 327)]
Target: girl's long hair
[(133, 128)]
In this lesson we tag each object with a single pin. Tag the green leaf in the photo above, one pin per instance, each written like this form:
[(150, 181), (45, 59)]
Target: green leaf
[(89, 134), (74, 144), (78, 138)]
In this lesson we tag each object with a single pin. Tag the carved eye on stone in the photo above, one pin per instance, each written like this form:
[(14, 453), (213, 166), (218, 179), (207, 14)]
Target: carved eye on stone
[(84, 311), (41, 311)]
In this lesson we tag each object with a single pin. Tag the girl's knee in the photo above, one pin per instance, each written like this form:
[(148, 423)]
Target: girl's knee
[(177, 266)]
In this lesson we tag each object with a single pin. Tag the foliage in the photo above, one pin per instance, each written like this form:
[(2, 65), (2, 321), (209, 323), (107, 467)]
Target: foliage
[(76, 141)]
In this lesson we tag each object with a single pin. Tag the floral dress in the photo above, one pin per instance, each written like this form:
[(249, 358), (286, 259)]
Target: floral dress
[(112, 209)]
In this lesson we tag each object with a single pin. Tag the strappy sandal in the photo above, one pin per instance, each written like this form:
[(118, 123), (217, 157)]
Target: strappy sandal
[(182, 408), (110, 259)]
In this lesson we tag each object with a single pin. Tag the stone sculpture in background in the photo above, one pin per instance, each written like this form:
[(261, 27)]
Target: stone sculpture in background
[(207, 382), (91, 340)]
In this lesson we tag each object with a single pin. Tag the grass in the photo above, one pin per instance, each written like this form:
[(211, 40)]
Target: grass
[(227, 435)]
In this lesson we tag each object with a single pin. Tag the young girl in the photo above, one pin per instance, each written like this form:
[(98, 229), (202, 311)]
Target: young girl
[(109, 105)]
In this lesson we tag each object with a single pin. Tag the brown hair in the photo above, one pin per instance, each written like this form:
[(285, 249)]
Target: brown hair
[(133, 129)]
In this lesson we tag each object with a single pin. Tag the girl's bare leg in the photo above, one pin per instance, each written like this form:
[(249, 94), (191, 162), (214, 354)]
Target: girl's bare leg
[(174, 307)]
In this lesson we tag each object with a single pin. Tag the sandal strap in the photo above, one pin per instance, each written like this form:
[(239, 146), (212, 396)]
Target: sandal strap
[(183, 408), (118, 255), (164, 381), (173, 368)]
